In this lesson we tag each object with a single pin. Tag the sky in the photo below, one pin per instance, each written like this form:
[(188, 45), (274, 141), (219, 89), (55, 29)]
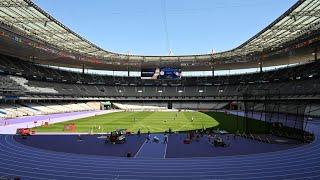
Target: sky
[(156, 27)]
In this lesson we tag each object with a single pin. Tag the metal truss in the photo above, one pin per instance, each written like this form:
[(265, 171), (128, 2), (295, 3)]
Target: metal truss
[(31, 20)]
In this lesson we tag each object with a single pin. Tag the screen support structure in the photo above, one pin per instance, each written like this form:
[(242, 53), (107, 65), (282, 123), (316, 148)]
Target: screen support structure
[(83, 69), (212, 69), (260, 66)]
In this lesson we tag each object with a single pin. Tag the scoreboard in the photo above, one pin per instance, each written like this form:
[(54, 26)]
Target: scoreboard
[(161, 73)]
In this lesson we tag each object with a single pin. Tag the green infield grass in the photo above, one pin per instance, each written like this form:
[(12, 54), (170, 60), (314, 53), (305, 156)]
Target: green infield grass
[(133, 121), (158, 122)]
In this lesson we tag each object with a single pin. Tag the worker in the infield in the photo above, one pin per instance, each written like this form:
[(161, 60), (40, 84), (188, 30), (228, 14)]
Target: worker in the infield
[(148, 138), (165, 141)]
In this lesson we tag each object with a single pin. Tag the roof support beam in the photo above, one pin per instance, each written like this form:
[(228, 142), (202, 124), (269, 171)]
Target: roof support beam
[(311, 13), (16, 4), (24, 20)]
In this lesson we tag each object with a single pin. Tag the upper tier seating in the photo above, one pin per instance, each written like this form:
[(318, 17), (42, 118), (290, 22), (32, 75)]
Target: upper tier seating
[(27, 78), (33, 71), (7, 84), (23, 82), (290, 88)]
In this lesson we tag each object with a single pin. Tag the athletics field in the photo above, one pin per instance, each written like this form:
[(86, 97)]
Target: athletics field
[(153, 122)]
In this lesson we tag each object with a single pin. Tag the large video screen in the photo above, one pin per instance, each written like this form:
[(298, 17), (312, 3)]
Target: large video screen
[(161, 73)]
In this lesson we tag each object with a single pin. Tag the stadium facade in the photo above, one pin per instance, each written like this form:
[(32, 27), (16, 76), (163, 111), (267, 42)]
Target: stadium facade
[(32, 41)]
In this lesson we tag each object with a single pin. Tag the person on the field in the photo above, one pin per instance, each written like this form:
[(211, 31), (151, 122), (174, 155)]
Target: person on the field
[(165, 141), (79, 138), (210, 137), (129, 154), (148, 138), (198, 137), (139, 133)]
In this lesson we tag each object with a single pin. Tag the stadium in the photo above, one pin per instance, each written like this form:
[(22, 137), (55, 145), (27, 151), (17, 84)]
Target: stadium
[(70, 109)]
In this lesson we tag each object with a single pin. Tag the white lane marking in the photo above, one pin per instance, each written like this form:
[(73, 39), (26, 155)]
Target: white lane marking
[(140, 148)]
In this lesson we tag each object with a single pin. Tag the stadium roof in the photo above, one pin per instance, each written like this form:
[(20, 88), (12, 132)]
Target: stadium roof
[(30, 19)]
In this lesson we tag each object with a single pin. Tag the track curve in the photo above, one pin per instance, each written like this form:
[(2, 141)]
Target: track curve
[(32, 163)]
